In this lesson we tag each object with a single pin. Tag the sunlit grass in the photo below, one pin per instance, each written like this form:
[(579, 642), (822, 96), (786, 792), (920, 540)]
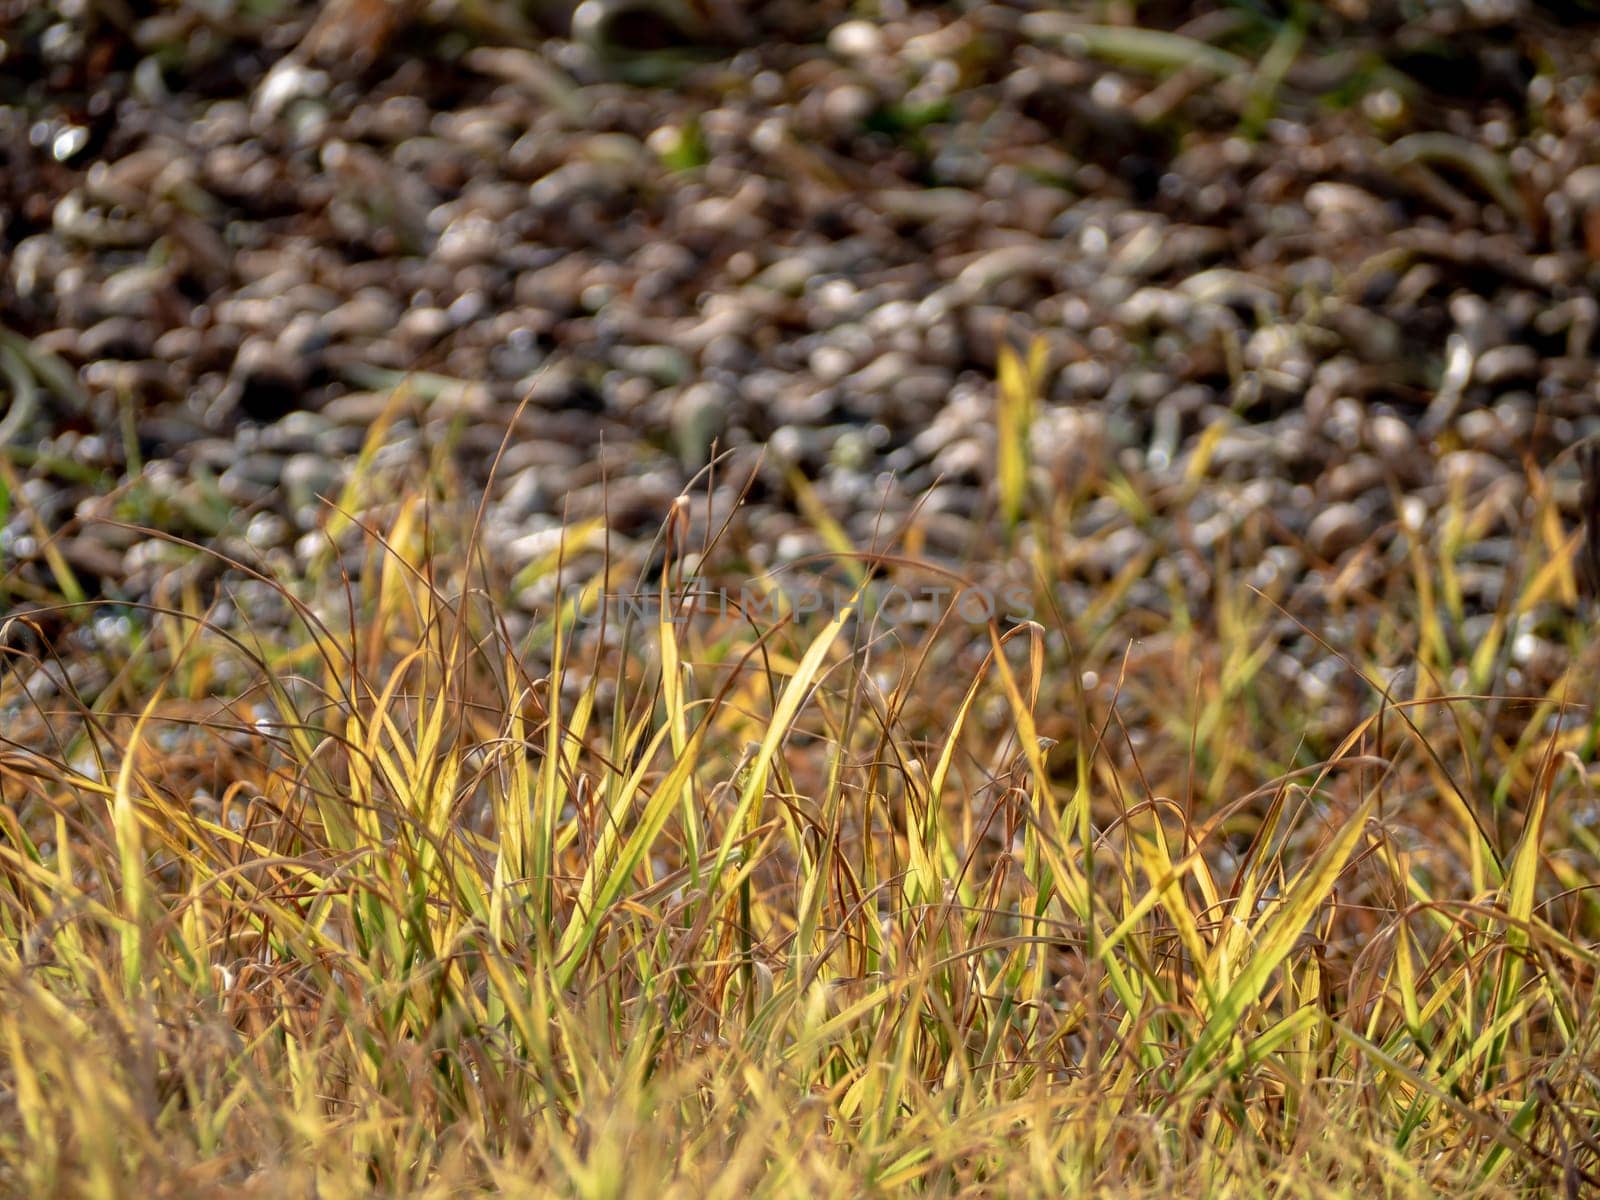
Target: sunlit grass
[(406, 896)]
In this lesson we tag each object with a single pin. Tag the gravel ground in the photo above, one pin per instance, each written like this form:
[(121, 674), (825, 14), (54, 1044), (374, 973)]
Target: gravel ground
[(1359, 240)]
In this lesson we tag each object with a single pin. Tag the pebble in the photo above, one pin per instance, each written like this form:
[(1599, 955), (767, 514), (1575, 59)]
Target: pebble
[(266, 530), (856, 39), (1337, 528), (251, 479), (1342, 205), (1582, 186), (1354, 477), (307, 476), (369, 313), (1471, 469), (1502, 365), (1391, 439), (665, 365), (286, 82), (846, 108), (116, 337), (1482, 430), (424, 325), (700, 415)]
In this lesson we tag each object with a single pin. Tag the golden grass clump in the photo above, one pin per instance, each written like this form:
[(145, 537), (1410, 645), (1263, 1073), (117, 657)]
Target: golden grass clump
[(408, 897)]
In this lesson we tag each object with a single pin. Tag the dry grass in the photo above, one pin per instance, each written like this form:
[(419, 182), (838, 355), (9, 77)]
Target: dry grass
[(390, 902)]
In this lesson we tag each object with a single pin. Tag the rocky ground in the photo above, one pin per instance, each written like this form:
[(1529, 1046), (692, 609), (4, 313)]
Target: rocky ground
[(1345, 252)]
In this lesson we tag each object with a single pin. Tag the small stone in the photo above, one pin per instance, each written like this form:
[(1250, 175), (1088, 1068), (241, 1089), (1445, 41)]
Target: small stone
[(1390, 438), (1481, 429), (136, 291), (1354, 477), (266, 530), (286, 82), (297, 432), (357, 409), (424, 325), (116, 337), (1336, 529), (1471, 469), (787, 276), (163, 436), (666, 365), (1335, 204), (846, 107), (252, 479), (1582, 187), (1505, 365), (831, 363), (466, 240), (856, 39), (699, 417), (306, 477), (369, 313), (177, 345), (983, 275)]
